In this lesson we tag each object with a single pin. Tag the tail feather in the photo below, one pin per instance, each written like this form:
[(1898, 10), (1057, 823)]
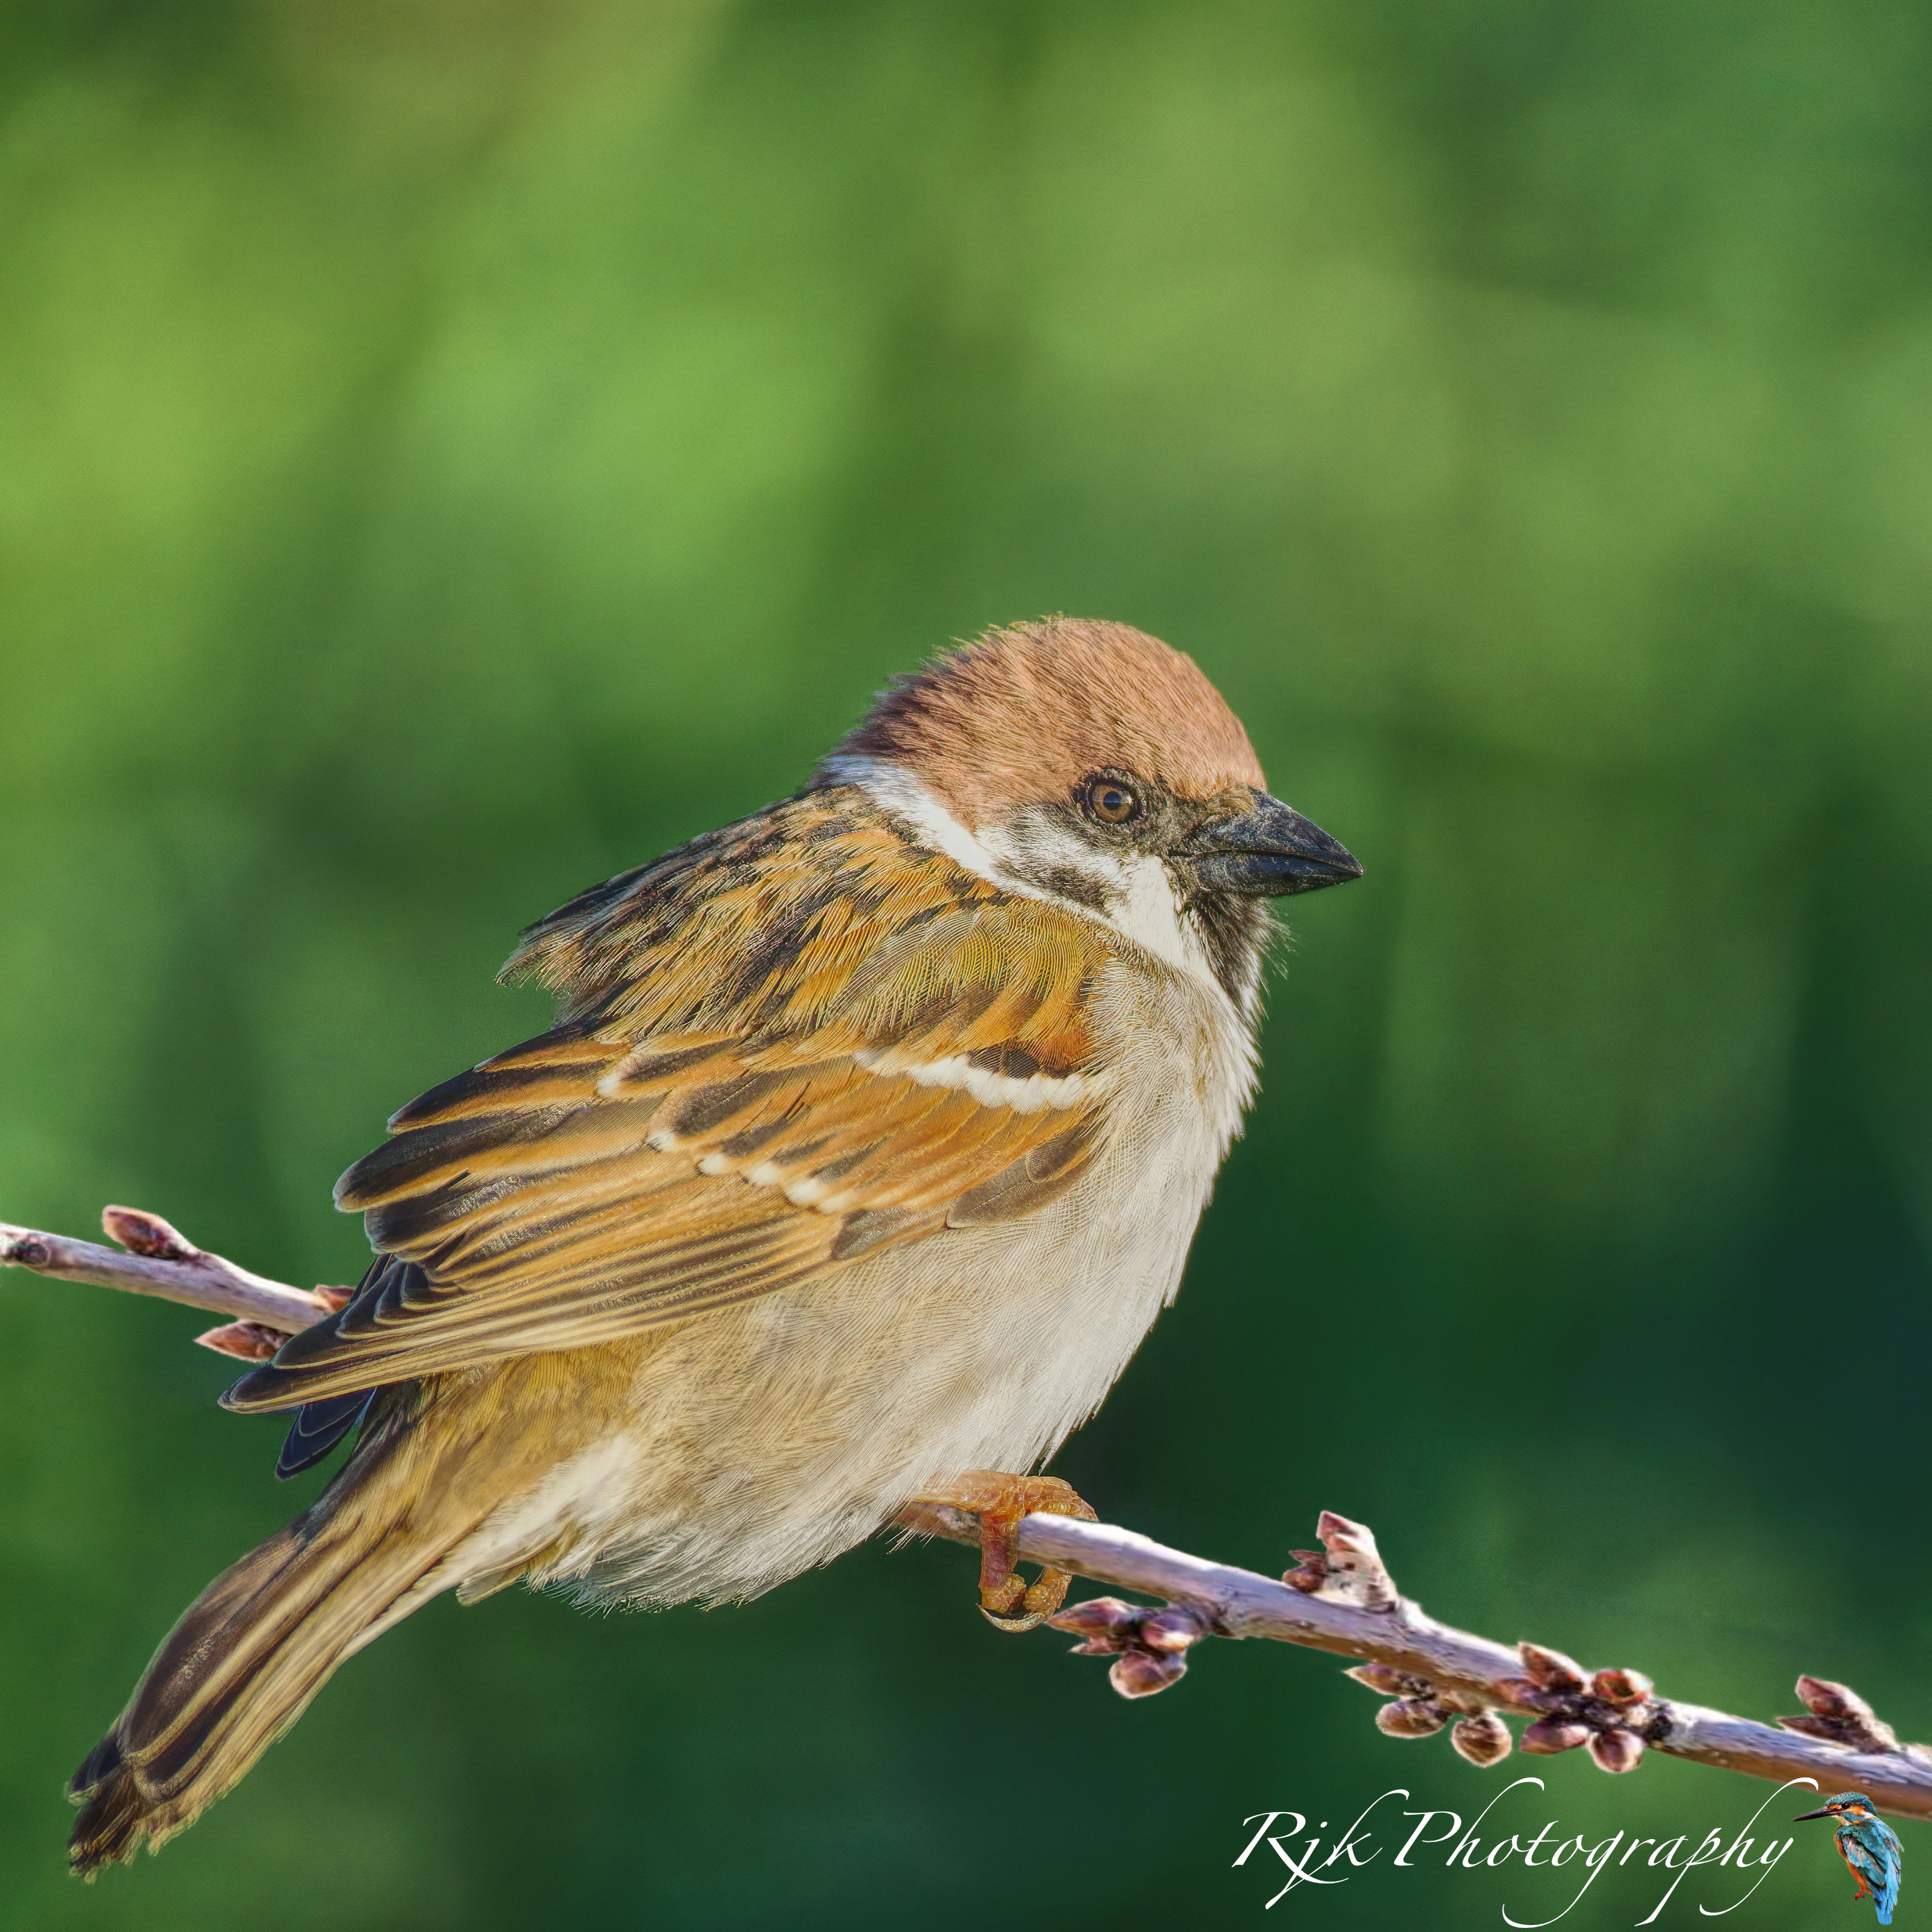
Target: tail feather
[(250, 1653)]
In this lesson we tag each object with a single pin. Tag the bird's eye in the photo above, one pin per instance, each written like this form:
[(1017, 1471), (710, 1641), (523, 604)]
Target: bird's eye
[(1112, 801)]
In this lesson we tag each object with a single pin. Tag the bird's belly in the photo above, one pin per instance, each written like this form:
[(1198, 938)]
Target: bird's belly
[(766, 1438)]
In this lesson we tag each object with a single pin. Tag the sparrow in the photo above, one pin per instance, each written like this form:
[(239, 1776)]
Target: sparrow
[(867, 1143)]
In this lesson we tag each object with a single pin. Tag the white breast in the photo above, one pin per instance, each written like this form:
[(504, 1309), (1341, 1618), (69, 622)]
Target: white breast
[(769, 1436)]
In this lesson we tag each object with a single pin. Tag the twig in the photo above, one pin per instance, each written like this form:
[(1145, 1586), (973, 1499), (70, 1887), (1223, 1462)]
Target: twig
[(160, 1260), (1339, 1598)]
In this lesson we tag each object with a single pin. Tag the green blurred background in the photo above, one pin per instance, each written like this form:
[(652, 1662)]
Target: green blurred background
[(448, 453)]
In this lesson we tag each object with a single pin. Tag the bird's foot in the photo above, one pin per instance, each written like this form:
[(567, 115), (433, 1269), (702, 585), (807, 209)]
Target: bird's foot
[(1007, 1600)]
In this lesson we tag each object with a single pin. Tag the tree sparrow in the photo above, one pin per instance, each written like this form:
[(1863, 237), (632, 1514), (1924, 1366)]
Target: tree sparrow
[(867, 1143)]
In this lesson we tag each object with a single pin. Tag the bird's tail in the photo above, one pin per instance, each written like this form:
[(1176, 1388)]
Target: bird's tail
[(259, 1642)]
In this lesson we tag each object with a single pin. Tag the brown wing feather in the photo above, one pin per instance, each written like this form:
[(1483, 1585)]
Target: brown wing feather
[(651, 1158)]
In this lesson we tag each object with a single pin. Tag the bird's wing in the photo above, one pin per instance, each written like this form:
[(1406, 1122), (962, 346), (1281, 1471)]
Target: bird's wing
[(1867, 1861), (591, 1184)]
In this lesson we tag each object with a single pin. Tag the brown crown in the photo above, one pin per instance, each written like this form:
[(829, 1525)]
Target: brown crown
[(1025, 712)]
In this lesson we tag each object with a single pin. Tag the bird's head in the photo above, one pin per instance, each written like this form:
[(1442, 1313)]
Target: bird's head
[(1849, 1808), (1090, 764)]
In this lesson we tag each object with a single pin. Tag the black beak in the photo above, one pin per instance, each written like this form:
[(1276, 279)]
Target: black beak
[(1823, 1811), (1267, 852)]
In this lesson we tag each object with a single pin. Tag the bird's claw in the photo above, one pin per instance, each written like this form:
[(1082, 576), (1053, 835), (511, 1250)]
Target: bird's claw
[(1007, 1600), (1035, 1601)]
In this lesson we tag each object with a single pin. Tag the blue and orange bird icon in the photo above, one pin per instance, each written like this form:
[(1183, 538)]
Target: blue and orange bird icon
[(1869, 1846)]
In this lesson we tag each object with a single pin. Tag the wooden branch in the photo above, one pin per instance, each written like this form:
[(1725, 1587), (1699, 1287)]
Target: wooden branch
[(1340, 1598), (160, 1260)]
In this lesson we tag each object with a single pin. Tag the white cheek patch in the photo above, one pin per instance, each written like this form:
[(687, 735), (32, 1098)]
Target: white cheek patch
[(1140, 903), (1149, 912), (1033, 1094)]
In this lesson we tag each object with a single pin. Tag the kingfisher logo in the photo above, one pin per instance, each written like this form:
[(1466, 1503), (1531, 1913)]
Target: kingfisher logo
[(1869, 1846)]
